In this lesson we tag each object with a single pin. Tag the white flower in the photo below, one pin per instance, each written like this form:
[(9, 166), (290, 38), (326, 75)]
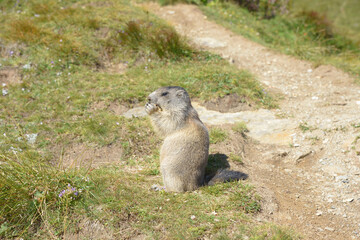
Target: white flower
[(31, 138)]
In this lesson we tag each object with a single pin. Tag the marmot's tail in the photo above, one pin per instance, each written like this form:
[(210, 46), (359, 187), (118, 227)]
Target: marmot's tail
[(226, 175)]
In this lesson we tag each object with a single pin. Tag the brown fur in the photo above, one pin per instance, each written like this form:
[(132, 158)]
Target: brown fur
[(185, 150)]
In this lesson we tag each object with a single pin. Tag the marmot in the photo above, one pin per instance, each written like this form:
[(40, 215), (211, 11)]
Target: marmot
[(185, 150)]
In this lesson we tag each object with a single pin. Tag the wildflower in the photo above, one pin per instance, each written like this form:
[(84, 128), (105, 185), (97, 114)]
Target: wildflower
[(11, 53), (76, 193), (27, 66), (5, 92), (31, 138), (62, 193)]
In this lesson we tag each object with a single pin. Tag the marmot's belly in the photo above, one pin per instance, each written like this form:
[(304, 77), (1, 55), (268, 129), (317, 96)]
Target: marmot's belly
[(182, 163)]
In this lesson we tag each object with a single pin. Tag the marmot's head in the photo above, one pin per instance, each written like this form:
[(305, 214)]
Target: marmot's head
[(173, 100)]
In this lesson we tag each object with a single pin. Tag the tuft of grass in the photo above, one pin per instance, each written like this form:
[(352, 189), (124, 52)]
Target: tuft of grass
[(304, 127), (164, 41), (236, 158), (34, 194), (217, 135), (240, 127)]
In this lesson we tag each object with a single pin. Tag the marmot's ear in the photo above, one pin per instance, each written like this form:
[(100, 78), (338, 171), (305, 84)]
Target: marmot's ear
[(180, 93)]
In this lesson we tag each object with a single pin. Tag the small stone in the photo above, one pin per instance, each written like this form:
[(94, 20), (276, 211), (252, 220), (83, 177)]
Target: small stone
[(319, 213), (155, 187), (296, 145), (192, 217), (171, 12), (329, 229), (315, 98), (348, 200), (309, 70)]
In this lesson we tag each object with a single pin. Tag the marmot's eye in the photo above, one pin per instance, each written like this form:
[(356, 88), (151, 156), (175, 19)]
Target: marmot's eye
[(164, 93)]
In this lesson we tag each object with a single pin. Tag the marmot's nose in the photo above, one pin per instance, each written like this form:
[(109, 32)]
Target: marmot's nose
[(149, 99)]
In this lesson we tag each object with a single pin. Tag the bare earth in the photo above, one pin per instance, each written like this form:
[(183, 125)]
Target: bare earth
[(309, 181)]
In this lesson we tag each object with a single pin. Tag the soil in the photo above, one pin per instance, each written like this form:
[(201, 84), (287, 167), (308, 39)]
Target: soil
[(312, 185), (229, 103), (9, 75)]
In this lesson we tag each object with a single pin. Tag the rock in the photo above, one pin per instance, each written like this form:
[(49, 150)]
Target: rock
[(319, 213), (135, 112), (348, 200)]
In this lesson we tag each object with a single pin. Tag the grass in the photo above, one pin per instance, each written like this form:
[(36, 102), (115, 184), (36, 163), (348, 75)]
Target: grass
[(343, 14), (61, 51), (240, 127), (298, 33), (217, 135)]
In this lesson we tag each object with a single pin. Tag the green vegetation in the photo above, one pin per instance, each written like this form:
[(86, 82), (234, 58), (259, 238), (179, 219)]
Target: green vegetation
[(59, 90), (240, 127), (236, 158), (304, 127), (343, 15), (301, 32), (217, 135)]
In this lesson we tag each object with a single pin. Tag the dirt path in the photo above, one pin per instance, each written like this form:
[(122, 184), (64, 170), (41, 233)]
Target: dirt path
[(312, 185)]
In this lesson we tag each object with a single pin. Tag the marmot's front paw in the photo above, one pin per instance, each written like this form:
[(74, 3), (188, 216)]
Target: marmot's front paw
[(150, 108)]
